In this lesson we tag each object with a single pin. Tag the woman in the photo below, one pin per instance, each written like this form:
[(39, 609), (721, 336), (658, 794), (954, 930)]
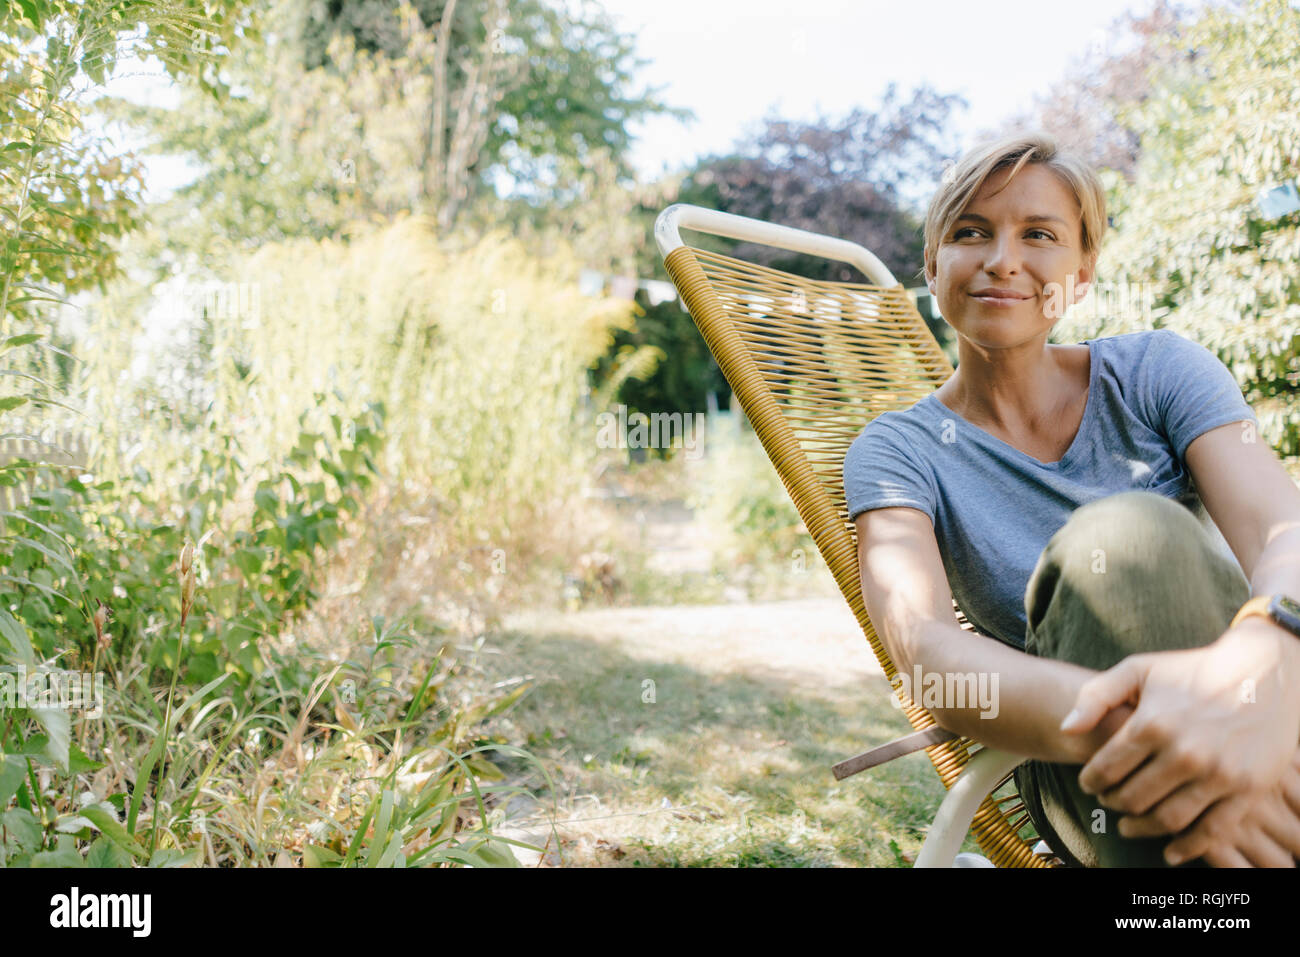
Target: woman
[(1051, 489)]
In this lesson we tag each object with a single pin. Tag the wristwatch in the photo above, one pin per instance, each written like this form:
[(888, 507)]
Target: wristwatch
[(1281, 609)]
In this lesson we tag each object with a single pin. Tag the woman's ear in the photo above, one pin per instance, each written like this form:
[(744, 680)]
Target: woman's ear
[(1083, 278)]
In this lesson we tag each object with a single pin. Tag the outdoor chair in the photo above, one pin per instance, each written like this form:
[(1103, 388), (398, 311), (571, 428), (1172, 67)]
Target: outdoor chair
[(811, 362)]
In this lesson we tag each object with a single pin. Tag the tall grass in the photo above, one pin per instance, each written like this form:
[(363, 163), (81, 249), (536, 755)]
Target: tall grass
[(738, 491), (478, 354)]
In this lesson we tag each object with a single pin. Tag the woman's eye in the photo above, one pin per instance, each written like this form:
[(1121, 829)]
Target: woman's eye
[(970, 229)]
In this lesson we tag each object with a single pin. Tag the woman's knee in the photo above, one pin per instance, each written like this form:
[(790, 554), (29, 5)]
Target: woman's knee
[(1128, 524), (1131, 572)]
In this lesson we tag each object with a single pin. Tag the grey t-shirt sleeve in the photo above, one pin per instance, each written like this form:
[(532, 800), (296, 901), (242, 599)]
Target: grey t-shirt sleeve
[(1188, 391), (879, 472)]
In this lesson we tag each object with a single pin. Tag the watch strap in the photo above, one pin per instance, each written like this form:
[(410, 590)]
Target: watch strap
[(1277, 608), (1256, 605)]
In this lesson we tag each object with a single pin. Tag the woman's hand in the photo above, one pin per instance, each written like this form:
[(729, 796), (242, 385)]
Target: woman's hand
[(1250, 829), (1209, 722)]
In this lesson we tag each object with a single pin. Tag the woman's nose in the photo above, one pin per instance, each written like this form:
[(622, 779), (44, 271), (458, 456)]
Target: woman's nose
[(1003, 257)]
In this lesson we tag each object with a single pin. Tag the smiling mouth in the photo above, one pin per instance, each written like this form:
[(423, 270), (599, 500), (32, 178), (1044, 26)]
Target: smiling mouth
[(1001, 300)]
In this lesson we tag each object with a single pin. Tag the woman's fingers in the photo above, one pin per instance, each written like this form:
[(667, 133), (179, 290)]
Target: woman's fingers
[(1154, 783), (1175, 813), (1191, 844), (1258, 828), (1280, 820), (1224, 855), (1116, 686), (1262, 851), (1284, 830), (1119, 757), (1291, 788)]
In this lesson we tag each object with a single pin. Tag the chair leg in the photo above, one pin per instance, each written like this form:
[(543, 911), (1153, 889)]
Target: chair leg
[(980, 776)]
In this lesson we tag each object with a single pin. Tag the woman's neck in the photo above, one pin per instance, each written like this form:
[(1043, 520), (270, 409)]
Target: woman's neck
[(1013, 390)]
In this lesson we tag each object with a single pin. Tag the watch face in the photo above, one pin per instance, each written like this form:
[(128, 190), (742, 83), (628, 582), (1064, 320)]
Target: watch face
[(1287, 611)]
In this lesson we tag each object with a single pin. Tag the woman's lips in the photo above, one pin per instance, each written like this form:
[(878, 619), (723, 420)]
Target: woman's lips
[(1004, 301)]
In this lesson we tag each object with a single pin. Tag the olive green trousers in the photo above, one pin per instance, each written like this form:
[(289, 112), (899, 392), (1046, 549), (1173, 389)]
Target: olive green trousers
[(1133, 572)]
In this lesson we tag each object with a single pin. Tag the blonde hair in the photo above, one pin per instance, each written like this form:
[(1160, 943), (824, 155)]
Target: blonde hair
[(963, 181)]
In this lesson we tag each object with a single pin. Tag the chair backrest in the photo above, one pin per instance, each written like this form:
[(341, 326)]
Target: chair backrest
[(811, 362)]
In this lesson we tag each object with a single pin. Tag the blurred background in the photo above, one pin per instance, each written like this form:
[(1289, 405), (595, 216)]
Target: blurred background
[(349, 294)]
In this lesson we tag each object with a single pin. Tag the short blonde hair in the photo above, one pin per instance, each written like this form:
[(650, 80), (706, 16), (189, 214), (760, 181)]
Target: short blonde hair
[(963, 181)]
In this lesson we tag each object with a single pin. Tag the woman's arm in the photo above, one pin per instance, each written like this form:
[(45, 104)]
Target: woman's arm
[(1031, 695), (906, 593)]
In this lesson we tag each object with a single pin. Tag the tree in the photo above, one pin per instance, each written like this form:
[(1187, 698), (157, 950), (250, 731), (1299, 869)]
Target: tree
[(571, 97), (330, 125), (844, 179), (1084, 110), (65, 196), (1219, 129)]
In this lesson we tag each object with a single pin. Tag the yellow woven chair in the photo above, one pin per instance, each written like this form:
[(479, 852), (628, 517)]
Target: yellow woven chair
[(811, 362)]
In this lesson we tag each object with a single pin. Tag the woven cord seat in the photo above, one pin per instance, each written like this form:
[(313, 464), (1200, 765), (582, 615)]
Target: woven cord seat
[(811, 362)]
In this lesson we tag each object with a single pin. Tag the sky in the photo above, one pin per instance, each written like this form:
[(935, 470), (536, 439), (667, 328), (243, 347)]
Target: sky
[(734, 61)]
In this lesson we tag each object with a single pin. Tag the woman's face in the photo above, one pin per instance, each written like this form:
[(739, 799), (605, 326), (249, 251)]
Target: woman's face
[(1025, 240)]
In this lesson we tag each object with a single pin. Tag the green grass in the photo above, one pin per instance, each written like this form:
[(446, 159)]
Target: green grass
[(743, 762)]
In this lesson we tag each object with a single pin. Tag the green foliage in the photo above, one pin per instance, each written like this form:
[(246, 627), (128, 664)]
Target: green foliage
[(183, 35), (78, 544), (683, 371), (569, 99), (243, 761), (65, 197), (1220, 128), (386, 120), (422, 820), (63, 201)]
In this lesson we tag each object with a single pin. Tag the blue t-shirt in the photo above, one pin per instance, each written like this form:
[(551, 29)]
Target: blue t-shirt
[(994, 507)]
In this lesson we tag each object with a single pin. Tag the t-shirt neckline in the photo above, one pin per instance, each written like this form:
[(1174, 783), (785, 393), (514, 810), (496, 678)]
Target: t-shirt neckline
[(1078, 436)]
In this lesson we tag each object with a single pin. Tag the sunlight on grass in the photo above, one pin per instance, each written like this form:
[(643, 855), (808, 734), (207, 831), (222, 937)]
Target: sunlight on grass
[(715, 771)]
